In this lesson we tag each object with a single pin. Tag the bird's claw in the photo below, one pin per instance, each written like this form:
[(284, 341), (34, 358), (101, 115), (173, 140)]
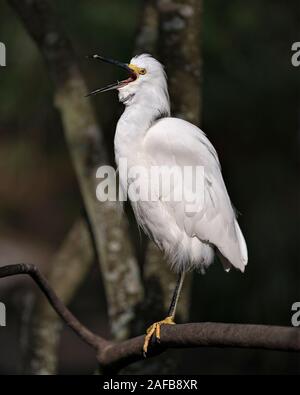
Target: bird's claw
[(155, 328)]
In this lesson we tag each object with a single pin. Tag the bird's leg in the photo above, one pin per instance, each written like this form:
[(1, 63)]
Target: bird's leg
[(155, 328)]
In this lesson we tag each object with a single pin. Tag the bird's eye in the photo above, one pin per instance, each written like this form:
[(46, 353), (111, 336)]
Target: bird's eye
[(142, 71)]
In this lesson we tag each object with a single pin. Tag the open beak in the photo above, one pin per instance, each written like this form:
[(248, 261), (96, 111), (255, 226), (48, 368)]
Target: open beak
[(118, 84)]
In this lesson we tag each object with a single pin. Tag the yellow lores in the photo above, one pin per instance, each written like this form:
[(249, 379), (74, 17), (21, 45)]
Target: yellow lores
[(136, 69)]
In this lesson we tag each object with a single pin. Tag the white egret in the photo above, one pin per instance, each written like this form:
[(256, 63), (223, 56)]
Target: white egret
[(146, 135)]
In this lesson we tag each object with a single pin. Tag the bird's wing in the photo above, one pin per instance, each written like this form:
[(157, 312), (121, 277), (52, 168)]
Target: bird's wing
[(173, 141)]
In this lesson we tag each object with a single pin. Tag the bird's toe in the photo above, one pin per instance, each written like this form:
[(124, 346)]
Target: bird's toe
[(155, 328)]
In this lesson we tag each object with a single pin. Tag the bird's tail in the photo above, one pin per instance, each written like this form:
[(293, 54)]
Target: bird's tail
[(237, 255), (242, 247)]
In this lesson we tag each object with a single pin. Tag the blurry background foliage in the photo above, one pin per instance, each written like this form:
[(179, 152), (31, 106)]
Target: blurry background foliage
[(251, 114)]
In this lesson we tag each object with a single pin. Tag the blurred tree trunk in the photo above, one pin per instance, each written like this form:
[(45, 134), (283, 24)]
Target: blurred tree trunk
[(180, 51), (68, 270), (171, 31), (109, 230)]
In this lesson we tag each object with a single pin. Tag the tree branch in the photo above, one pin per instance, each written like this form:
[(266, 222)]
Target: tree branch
[(113, 356), (206, 334), (26, 268)]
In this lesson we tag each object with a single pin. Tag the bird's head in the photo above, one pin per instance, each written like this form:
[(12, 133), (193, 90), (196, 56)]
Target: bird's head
[(144, 73)]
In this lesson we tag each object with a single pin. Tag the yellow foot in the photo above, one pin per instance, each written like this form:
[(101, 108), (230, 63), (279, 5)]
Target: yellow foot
[(155, 328)]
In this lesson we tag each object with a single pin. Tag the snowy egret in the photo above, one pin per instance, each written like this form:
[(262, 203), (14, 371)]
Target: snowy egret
[(146, 135)]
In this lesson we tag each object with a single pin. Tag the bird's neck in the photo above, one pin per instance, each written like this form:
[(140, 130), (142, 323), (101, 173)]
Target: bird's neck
[(136, 120)]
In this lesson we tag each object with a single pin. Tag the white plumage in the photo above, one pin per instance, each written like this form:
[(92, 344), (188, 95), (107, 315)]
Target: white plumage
[(148, 138), (146, 135)]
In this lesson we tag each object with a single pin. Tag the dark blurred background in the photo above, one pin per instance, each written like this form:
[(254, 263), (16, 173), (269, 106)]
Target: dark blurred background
[(251, 113)]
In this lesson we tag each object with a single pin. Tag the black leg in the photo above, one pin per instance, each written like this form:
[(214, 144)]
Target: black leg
[(176, 294), (155, 328)]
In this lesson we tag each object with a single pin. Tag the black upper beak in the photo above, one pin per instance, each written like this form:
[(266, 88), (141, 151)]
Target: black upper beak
[(110, 61)]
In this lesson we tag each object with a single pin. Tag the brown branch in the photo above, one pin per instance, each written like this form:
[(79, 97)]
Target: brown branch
[(113, 356), (206, 334), (25, 268)]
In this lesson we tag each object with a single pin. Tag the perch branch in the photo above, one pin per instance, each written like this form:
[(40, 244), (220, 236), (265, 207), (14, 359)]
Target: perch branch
[(113, 356)]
